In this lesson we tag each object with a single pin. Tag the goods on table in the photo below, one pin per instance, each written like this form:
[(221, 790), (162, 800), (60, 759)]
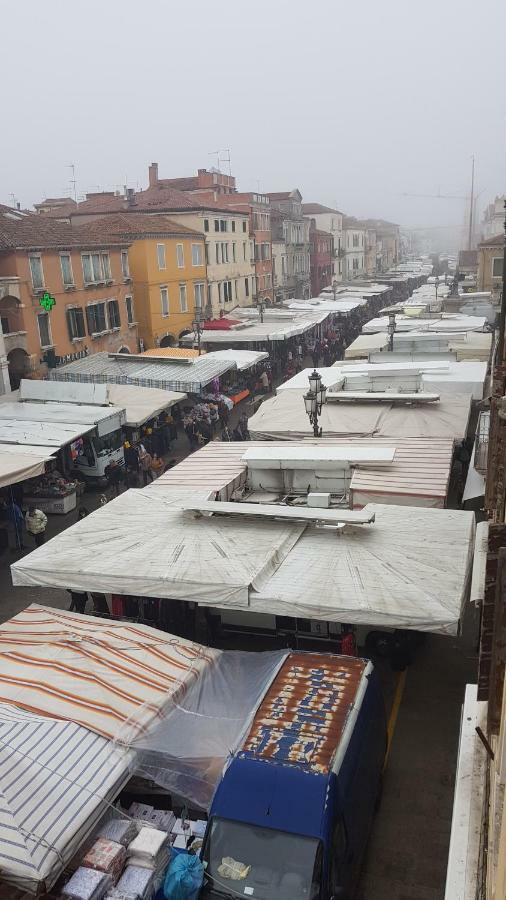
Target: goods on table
[(106, 856), (86, 884), (149, 848), (136, 881), (122, 831)]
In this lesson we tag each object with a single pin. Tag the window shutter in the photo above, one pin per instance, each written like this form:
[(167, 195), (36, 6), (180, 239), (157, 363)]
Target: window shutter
[(68, 315), (90, 320)]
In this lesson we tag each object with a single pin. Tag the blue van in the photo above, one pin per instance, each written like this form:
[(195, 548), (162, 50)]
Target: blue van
[(291, 817)]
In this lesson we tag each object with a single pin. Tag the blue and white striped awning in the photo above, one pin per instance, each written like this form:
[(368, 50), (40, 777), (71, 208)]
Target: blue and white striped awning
[(56, 781), (190, 378)]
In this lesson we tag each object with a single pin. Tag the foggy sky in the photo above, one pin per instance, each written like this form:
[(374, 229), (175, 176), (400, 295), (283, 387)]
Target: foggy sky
[(352, 102)]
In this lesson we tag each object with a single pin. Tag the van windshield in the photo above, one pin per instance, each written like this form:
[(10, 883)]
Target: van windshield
[(106, 442), (244, 860)]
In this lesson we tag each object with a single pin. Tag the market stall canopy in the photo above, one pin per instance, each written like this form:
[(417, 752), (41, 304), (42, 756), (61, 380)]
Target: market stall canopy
[(260, 332), (141, 404), (418, 474), (447, 322), (19, 466), (444, 376), (408, 569), (91, 671), (189, 376), (284, 417), (57, 779), (243, 359), (365, 344)]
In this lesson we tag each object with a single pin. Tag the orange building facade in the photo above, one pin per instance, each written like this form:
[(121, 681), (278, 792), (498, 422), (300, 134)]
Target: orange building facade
[(62, 295)]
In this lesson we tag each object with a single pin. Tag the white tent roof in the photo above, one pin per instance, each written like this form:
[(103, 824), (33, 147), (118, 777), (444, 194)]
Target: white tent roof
[(243, 359), (284, 417), (444, 376), (446, 323), (271, 330), (408, 569), (140, 403), (57, 781), (19, 466)]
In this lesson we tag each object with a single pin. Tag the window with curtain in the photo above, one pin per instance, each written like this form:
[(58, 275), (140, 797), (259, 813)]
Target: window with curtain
[(36, 272), (160, 254), (66, 269), (183, 303), (164, 300), (125, 268), (197, 255), (96, 267), (96, 318), (87, 268), (199, 295), (180, 256), (106, 266)]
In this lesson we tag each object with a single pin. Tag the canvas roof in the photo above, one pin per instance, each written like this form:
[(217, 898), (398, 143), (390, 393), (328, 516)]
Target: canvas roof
[(141, 404), (57, 781), (19, 466), (407, 569), (284, 417), (271, 330), (447, 322), (106, 676), (420, 468)]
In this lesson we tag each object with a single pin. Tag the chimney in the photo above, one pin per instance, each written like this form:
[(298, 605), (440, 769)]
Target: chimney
[(130, 197), (153, 174)]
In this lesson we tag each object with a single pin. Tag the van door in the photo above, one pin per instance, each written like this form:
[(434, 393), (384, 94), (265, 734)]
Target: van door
[(339, 875)]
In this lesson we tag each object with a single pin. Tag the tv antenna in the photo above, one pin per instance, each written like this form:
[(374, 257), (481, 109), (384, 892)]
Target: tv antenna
[(73, 180), (222, 156)]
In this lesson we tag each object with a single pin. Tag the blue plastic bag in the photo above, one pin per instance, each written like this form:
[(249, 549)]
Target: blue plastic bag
[(184, 877)]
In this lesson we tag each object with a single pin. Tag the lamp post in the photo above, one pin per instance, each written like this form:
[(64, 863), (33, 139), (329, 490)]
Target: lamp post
[(314, 400), (334, 289), (197, 327), (436, 285), (261, 307), (391, 328)]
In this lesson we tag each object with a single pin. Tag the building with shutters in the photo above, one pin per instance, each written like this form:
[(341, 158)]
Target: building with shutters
[(168, 269), (64, 292)]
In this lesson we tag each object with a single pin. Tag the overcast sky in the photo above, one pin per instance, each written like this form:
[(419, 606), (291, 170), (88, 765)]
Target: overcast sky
[(352, 102)]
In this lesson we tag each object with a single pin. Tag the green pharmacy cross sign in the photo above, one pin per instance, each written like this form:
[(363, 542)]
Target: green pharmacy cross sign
[(47, 301)]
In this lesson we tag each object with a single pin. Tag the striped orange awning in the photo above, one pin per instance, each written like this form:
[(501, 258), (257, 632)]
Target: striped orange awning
[(114, 678), (172, 353)]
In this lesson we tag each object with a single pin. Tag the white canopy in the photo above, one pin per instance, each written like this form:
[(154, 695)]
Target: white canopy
[(243, 359), (408, 569), (140, 403), (447, 322), (284, 417), (444, 376), (259, 332), (19, 466)]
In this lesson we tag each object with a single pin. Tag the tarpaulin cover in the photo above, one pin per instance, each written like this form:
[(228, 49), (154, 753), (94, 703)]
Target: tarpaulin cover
[(143, 544), (56, 780), (97, 673), (187, 750), (19, 466), (410, 569)]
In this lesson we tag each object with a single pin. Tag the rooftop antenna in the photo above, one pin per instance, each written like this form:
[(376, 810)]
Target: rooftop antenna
[(222, 156), (73, 180), (216, 153), (14, 200)]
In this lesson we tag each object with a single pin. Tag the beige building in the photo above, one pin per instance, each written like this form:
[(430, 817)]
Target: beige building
[(490, 264), (331, 220)]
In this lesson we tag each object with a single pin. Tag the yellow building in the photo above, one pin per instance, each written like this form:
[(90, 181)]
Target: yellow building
[(168, 270)]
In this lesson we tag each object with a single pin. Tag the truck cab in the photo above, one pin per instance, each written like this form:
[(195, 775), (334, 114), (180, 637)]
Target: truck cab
[(291, 817)]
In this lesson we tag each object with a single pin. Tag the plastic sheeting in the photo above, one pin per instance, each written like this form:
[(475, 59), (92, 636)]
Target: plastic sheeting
[(188, 750), (20, 466)]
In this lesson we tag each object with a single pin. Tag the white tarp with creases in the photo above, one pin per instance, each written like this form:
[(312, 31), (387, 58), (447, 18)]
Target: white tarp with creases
[(21, 465), (408, 569), (143, 544), (140, 403), (284, 417)]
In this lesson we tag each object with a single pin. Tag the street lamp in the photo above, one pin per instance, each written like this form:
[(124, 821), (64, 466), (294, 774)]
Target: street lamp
[(334, 289), (391, 328), (198, 327), (261, 307), (314, 400), (437, 285)]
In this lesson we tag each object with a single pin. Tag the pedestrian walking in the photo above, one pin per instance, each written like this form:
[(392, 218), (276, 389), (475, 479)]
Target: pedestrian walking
[(264, 382), (78, 601), (145, 464), (36, 521), (114, 475), (157, 466)]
